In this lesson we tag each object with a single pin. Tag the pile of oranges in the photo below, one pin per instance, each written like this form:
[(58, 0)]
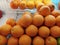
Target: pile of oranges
[(31, 29)]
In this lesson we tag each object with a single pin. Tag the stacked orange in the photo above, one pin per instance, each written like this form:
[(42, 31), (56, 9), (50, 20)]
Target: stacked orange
[(31, 30)]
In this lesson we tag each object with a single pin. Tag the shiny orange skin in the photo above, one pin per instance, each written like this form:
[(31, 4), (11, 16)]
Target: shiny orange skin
[(25, 40), (51, 41), (38, 41), (44, 10), (32, 30), (14, 4), (58, 20), (25, 20), (13, 41), (44, 31), (55, 31), (50, 20), (3, 40), (38, 20), (5, 29), (22, 5), (17, 31), (11, 22)]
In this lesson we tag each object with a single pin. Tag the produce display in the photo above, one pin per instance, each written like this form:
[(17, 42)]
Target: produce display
[(39, 28)]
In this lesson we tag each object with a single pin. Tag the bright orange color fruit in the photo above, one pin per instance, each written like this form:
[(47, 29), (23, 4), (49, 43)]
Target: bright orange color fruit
[(5, 29), (17, 31), (25, 40), (58, 20), (38, 41), (44, 31), (50, 20), (13, 41), (44, 10), (51, 41), (32, 30), (3, 40), (55, 31), (38, 20), (11, 22)]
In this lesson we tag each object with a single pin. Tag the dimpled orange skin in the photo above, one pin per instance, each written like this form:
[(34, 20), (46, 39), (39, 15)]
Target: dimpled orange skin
[(32, 30), (44, 10), (3, 40), (17, 31), (25, 40), (58, 20), (51, 6), (11, 22), (55, 13), (51, 41), (38, 20), (44, 31), (25, 20), (22, 4), (14, 4), (30, 4), (50, 20), (38, 41), (5, 29), (13, 41), (55, 31)]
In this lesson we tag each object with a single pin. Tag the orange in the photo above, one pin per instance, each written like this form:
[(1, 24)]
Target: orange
[(55, 31), (5, 29), (58, 20), (3, 40), (25, 40), (32, 30), (51, 6), (38, 41), (14, 4), (30, 4), (25, 20), (22, 4), (17, 31), (11, 22), (50, 20), (13, 41), (44, 10), (38, 20), (44, 31), (55, 13), (51, 41)]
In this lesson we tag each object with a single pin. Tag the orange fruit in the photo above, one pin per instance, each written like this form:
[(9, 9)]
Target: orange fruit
[(5, 29), (55, 13), (17, 31), (44, 31), (58, 20), (11, 22), (13, 41), (51, 6), (32, 30), (51, 41), (30, 4), (44, 10), (14, 4), (38, 41), (50, 20), (25, 40), (55, 31), (38, 20), (3, 40), (22, 4), (25, 20)]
